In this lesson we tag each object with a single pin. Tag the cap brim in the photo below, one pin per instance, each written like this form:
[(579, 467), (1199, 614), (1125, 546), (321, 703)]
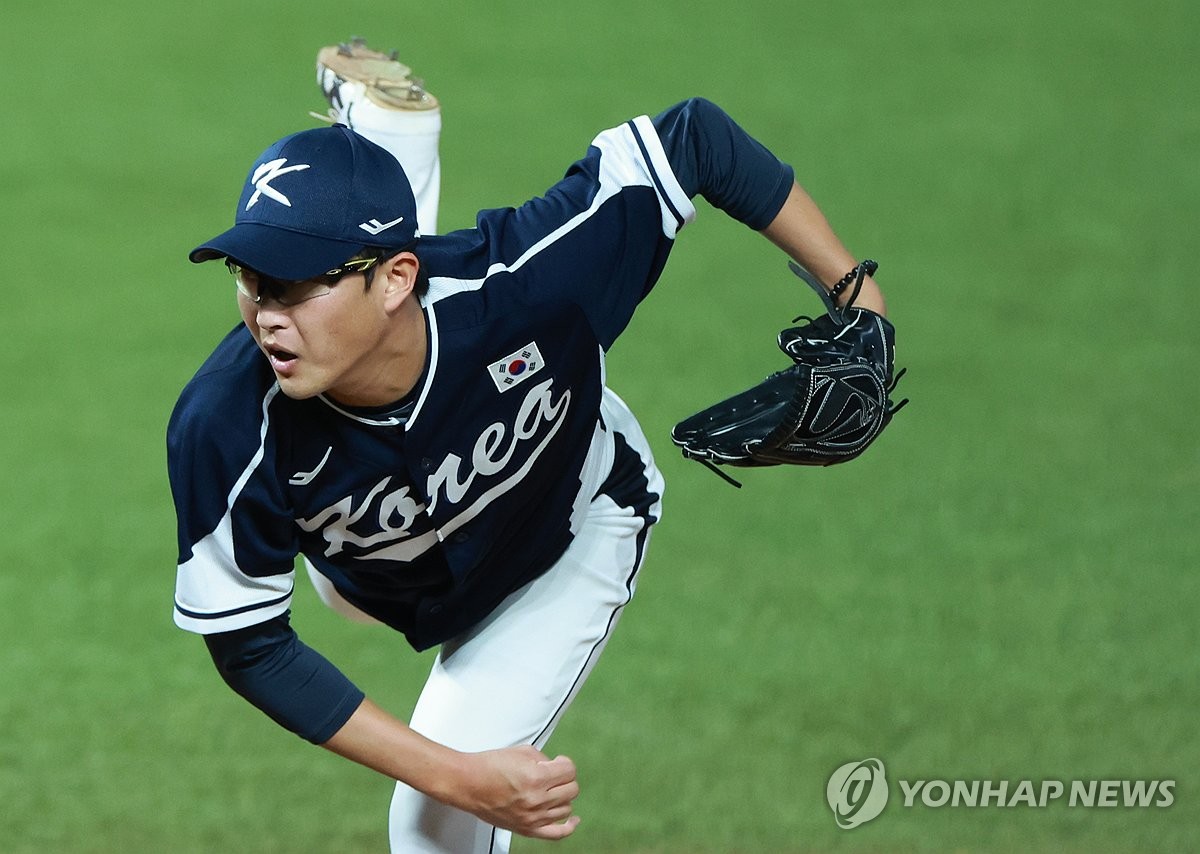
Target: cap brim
[(276, 252)]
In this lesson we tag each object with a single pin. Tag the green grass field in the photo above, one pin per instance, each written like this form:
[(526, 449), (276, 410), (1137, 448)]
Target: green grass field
[(1003, 588)]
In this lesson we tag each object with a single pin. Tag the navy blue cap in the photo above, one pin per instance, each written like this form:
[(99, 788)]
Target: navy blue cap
[(314, 200)]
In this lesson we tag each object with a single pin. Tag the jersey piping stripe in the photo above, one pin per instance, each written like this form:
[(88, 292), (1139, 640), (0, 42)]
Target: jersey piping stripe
[(662, 193), (431, 317), (659, 166), (441, 287), (262, 447), (390, 421), (610, 142), (233, 612)]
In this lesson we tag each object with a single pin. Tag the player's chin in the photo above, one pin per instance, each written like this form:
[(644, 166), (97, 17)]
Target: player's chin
[(298, 387), (296, 378)]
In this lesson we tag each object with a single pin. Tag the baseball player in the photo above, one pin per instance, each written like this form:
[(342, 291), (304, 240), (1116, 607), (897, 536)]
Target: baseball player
[(425, 419)]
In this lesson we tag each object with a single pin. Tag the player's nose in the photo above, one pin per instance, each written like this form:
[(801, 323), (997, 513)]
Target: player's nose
[(271, 315)]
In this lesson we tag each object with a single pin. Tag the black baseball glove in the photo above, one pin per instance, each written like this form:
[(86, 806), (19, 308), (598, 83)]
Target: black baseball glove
[(826, 408)]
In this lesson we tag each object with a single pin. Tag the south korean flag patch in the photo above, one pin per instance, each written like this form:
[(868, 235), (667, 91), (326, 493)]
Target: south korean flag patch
[(516, 367)]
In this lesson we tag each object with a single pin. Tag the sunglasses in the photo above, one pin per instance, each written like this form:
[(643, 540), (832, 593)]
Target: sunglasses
[(258, 287)]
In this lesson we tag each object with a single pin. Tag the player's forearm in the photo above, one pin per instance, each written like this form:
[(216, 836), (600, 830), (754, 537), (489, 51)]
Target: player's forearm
[(802, 231), (376, 739), (516, 788)]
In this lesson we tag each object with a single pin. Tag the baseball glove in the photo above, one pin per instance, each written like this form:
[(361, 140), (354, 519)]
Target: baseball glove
[(826, 408)]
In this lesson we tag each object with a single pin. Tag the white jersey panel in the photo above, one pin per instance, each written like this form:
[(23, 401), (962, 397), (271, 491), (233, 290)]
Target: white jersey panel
[(628, 159), (211, 593)]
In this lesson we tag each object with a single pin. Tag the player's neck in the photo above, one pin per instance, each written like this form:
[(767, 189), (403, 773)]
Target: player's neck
[(395, 366)]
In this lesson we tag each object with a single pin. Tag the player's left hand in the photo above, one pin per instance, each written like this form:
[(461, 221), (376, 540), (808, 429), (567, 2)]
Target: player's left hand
[(522, 790)]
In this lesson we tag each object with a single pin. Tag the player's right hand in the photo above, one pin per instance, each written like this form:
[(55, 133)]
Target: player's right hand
[(522, 790)]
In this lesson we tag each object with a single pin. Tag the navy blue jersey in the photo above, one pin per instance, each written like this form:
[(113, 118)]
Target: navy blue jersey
[(427, 515)]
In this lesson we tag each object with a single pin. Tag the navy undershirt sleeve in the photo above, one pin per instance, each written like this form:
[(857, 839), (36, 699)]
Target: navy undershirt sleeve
[(712, 156), (293, 684)]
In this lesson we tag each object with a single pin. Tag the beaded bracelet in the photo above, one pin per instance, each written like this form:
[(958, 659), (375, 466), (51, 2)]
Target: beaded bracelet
[(861, 270)]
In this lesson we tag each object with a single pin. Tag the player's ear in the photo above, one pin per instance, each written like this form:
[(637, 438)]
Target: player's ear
[(398, 278)]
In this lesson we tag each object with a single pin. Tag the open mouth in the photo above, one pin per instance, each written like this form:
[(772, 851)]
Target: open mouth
[(282, 361)]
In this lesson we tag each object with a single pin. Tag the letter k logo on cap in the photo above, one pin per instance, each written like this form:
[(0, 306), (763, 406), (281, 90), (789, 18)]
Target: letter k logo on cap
[(264, 175)]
